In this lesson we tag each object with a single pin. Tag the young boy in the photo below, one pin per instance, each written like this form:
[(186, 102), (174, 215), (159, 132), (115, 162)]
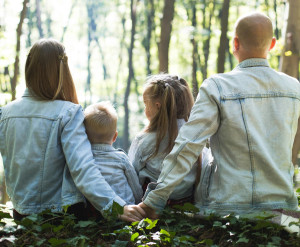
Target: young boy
[(101, 127)]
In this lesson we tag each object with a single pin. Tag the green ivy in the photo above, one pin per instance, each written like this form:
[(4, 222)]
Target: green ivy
[(178, 226)]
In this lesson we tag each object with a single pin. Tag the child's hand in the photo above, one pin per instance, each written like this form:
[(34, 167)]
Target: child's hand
[(149, 211), (133, 213)]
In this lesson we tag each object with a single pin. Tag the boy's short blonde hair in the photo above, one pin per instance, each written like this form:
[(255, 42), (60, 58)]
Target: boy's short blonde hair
[(100, 122)]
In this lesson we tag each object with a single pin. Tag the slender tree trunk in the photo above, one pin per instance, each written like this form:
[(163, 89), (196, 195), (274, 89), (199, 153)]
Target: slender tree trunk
[(122, 45), (104, 68), (67, 24), (17, 59), (206, 42), (38, 18), (195, 55), (149, 6), (165, 35), (223, 38), (29, 26), (88, 91), (133, 6), (276, 26), (289, 63)]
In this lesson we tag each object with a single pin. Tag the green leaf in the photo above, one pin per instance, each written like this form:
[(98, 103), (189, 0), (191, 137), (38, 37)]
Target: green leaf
[(187, 207), (242, 240), (4, 215), (152, 224), (164, 232), (217, 223), (119, 243), (85, 223), (134, 236), (56, 242), (58, 228), (187, 238), (65, 208), (117, 209)]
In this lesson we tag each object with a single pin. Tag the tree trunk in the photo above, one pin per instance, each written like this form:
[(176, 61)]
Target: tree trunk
[(67, 24), (149, 6), (133, 6), (195, 55), (206, 42), (165, 35), (17, 59), (223, 38), (122, 45), (38, 18), (289, 63)]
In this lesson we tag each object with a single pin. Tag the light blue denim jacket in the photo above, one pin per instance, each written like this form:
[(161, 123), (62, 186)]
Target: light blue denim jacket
[(118, 171), (251, 116), (44, 145), (143, 147)]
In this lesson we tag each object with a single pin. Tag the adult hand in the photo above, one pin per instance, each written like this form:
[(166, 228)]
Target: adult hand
[(149, 211), (133, 213)]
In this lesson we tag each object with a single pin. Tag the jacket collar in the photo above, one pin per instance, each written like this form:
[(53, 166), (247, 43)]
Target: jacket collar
[(254, 62), (103, 147)]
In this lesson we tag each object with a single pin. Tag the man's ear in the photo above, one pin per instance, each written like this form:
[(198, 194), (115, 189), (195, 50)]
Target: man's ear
[(236, 44), (115, 136), (272, 43)]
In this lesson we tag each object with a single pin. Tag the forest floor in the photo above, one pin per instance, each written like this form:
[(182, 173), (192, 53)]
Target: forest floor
[(176, 227)]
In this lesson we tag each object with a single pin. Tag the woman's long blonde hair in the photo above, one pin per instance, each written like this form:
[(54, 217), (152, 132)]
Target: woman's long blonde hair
[(176, 102), (47, 72)]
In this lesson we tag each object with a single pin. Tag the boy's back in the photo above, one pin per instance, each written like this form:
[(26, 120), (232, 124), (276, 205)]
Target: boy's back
[(118, 172)]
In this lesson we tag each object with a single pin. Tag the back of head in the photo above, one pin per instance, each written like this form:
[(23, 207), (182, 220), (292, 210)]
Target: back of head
[(47, 72), (255, 32), (100, 122), (176, 101)]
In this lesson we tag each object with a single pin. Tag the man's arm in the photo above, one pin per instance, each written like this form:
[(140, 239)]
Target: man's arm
[(203, 123)]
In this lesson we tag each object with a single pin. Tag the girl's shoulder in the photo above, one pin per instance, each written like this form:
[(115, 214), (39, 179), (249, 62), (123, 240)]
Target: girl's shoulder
[(145, 136)]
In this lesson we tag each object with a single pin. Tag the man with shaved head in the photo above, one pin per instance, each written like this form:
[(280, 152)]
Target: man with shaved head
[(250, 115)]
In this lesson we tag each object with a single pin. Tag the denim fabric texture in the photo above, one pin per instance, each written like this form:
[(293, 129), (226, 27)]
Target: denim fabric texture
[(250, 115), (118, 172), (46, 153), (143, 147)]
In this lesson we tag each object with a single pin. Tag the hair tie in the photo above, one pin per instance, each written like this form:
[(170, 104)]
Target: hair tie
[(167, 84), (63, 57)]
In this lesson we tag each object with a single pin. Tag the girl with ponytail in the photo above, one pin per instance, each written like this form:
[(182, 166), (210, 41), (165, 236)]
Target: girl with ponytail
[(168, 103)]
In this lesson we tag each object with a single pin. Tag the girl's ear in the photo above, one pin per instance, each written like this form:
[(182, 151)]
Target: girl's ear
[(158, 105)]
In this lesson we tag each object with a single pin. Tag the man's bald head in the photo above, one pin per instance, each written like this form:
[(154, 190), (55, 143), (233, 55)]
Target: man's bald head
[(254, 32)]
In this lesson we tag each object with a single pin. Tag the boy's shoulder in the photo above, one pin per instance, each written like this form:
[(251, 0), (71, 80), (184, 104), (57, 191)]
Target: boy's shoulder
[(122, 154)]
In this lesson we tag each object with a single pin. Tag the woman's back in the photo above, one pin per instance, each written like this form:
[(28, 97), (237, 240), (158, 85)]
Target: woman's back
[(31, 145)]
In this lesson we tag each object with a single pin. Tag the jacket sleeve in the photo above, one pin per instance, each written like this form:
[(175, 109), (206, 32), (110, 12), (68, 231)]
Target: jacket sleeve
[(203, 123), (133, 181), (77, 150)]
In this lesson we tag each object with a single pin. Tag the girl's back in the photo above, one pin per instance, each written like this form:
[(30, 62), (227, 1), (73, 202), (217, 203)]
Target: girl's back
[(168, 102)]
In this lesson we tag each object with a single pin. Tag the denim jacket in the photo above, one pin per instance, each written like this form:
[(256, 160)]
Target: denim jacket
[(251, 116), (143, 147), (118, 171), (46, 153)]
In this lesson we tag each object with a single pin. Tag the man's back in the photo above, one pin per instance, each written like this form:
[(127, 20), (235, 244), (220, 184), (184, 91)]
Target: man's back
[(259, 110)]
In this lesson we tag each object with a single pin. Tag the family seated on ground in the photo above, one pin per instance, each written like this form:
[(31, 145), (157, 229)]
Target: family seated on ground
[(55, 154)]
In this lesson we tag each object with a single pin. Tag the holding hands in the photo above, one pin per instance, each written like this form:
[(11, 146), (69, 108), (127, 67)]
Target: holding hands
[(137, 212)]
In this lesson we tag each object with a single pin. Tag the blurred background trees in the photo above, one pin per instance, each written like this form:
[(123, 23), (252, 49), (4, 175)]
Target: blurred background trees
[(113, 45)]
